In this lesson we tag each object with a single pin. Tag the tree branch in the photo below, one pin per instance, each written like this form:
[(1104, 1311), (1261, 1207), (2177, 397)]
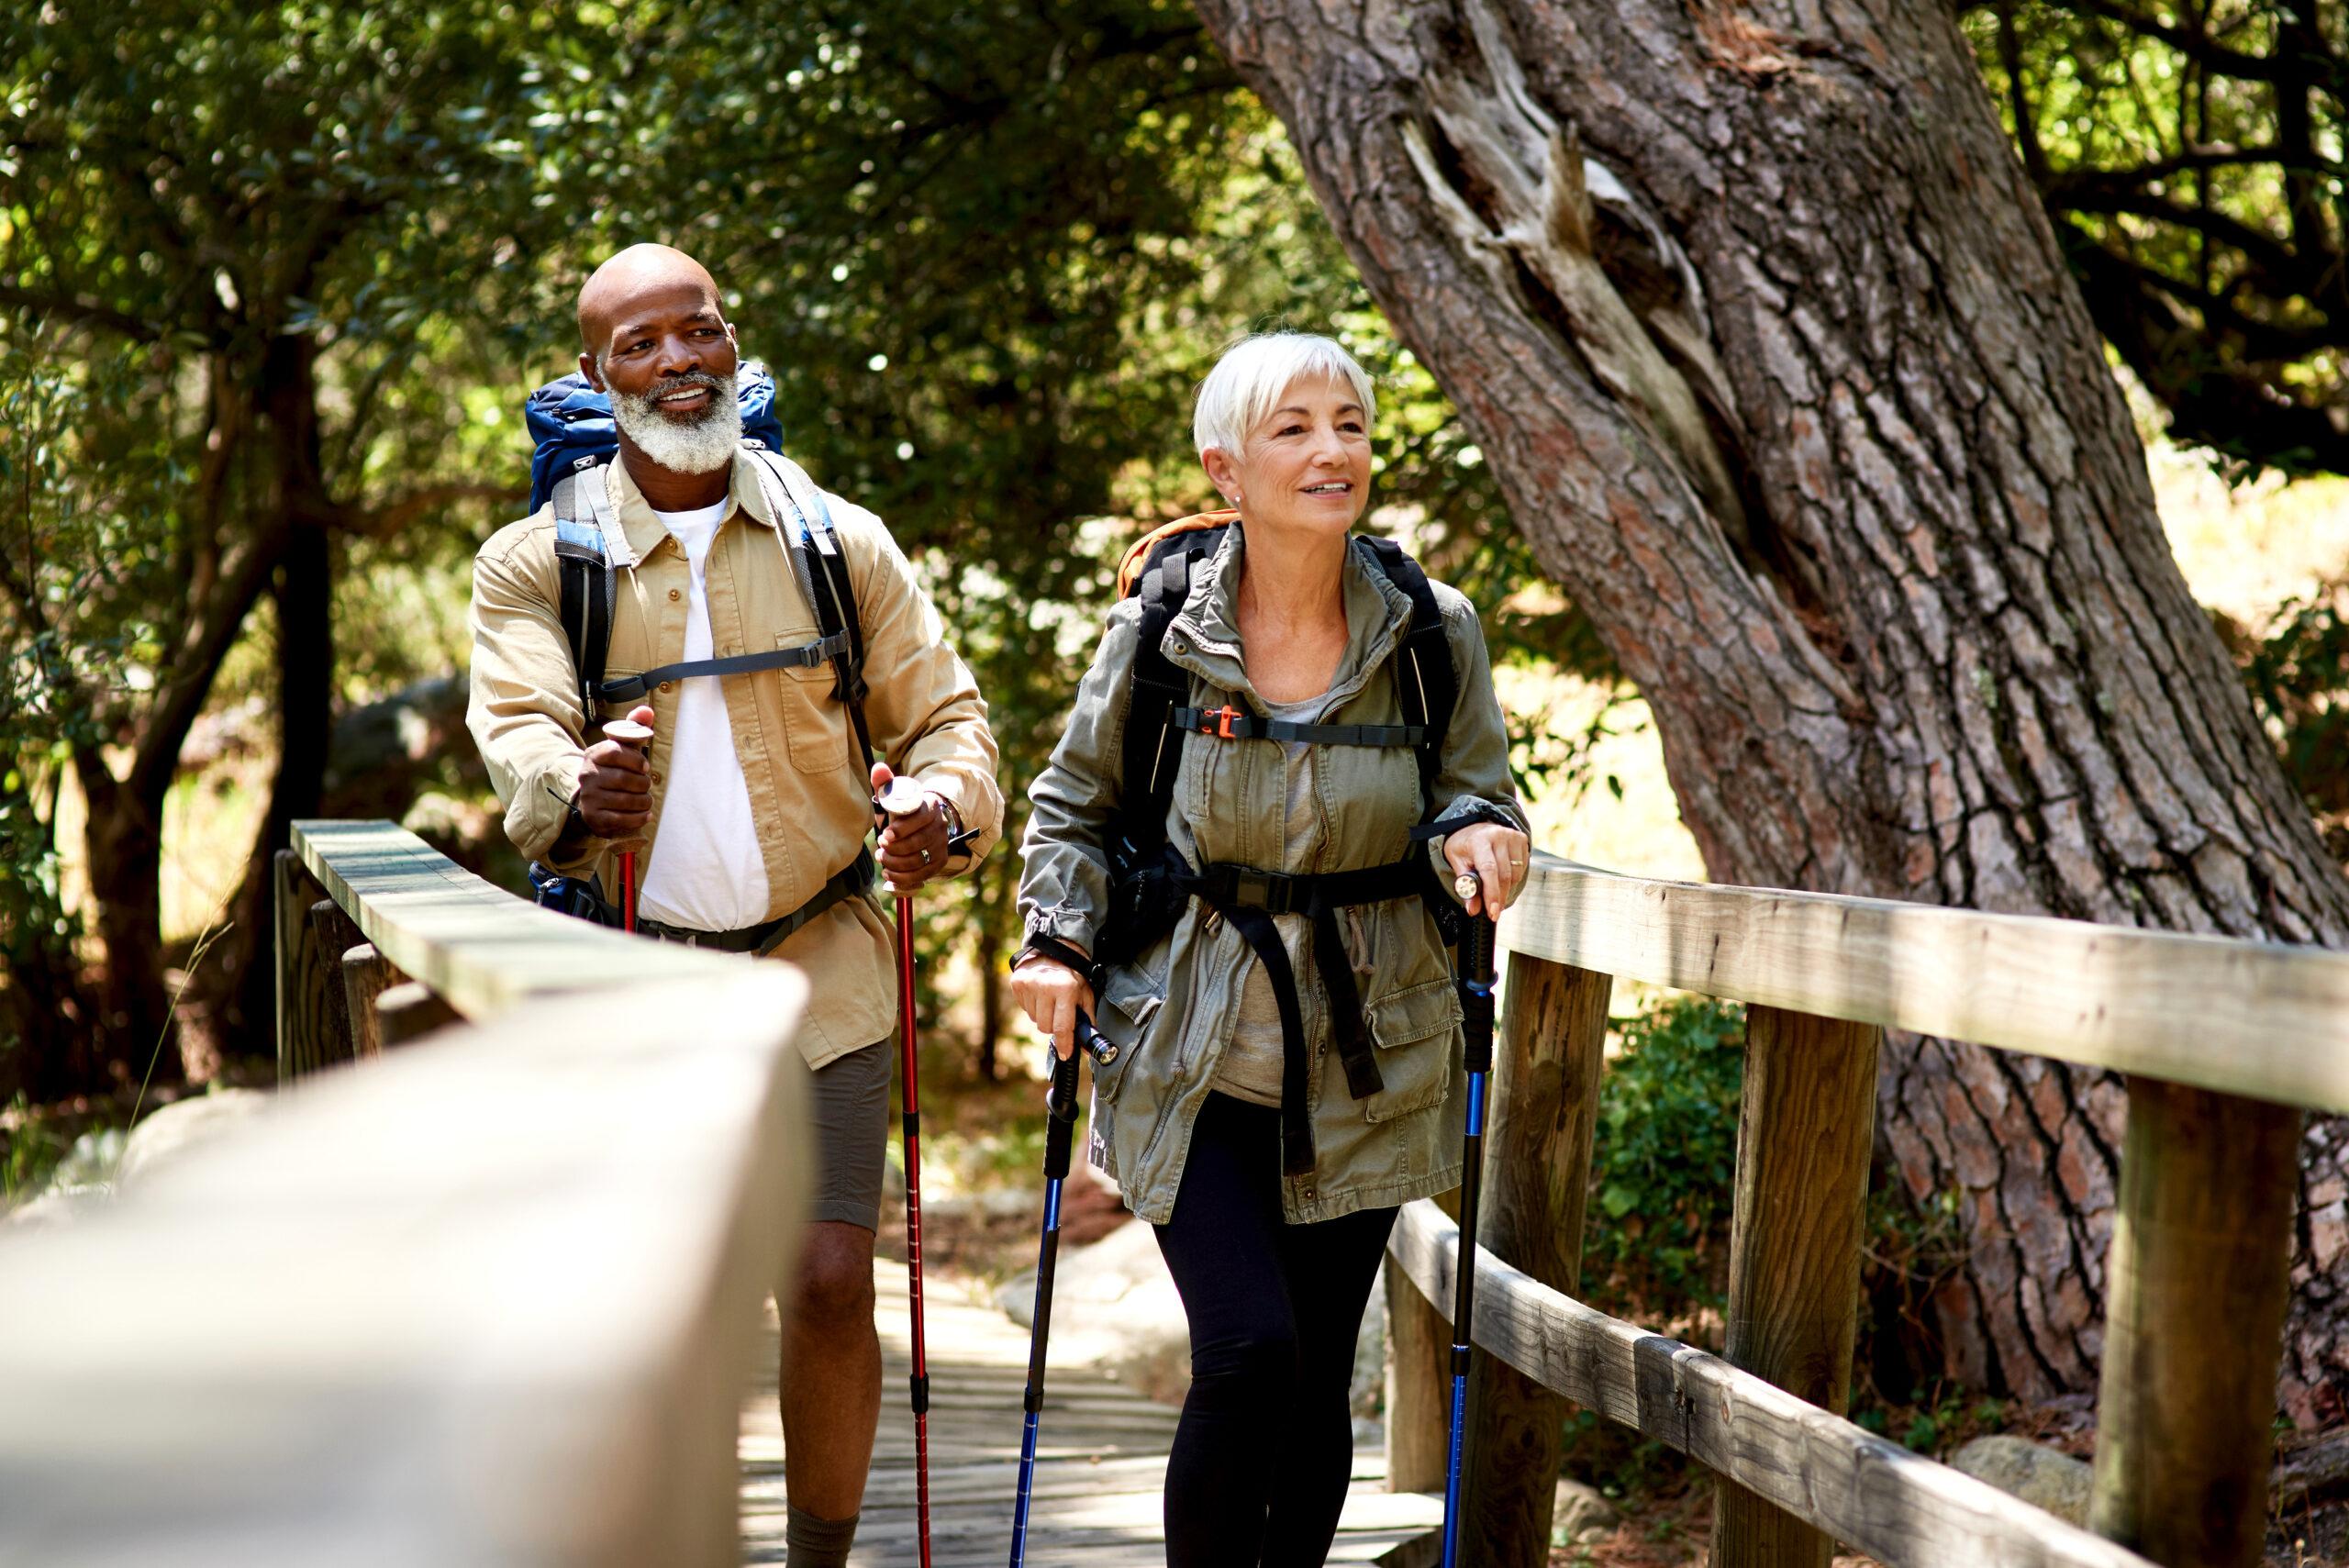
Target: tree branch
[(380, 522), (2193, 45), (82, 309)]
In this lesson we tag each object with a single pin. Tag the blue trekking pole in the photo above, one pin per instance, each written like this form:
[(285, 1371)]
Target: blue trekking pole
[(1477, 1008), (1060, 1128)]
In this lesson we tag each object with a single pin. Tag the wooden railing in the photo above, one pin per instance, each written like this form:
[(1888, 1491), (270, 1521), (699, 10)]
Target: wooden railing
[(2223, 1043), (489, 1300)]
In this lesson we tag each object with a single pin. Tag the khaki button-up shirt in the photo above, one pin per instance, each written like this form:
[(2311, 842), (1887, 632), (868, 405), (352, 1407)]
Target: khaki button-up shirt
[(810, 801)]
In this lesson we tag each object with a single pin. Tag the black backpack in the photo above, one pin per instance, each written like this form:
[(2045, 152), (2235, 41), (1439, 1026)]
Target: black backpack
[(590, 585)]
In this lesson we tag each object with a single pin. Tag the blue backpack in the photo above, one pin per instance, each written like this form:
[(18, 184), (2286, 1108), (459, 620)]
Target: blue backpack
[(571, 423)]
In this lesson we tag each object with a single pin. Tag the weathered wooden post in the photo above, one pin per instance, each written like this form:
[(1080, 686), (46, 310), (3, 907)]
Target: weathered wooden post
[(366, 975), (293, 893), (1418, 1387), (408, 1009), (1805, 1127), (1537, 1174), (333, 934), (2199, 1279)]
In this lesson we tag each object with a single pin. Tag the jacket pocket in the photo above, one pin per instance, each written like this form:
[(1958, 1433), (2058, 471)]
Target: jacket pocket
[(1414, 1031), (1129, 1004), (815, 724)]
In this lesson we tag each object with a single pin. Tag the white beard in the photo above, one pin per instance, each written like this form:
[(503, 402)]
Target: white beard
[(703, 446)]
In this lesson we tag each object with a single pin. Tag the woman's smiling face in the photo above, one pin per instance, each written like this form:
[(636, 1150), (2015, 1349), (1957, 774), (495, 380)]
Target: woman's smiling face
[(1304, 466)]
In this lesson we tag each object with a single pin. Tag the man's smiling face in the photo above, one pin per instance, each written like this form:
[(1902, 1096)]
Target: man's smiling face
[(657, 340)]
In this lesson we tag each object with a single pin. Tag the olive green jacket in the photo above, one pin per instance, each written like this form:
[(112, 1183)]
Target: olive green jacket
[(1173, 1010), (810, 801)]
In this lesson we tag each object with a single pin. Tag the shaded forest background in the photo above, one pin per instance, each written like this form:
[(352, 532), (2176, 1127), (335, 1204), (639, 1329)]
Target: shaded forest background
[(272, 287)]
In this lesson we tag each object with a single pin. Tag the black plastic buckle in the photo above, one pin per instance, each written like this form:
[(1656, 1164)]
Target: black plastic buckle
[(1218, 721), (1273, 891)]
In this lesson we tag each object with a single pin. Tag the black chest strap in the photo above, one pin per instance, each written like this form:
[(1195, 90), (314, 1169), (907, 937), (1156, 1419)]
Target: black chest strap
[(1230, 723), (805, 656)]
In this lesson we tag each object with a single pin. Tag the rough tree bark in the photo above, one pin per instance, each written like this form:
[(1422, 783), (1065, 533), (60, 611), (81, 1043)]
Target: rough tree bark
[(1770, 342)]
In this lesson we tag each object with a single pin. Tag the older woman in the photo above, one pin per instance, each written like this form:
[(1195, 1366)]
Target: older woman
[(1274, 725)]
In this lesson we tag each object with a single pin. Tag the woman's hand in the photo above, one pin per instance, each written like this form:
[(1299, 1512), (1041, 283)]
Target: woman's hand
[(1050, 993), (1497, 855)]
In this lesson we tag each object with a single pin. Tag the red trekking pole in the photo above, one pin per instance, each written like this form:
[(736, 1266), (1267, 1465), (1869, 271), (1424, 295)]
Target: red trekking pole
[(628, 732), (903, 798)]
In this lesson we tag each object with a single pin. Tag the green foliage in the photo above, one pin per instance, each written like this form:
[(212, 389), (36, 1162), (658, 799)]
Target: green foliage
[(2192, 163), (2298, 676), (1655, 1244)]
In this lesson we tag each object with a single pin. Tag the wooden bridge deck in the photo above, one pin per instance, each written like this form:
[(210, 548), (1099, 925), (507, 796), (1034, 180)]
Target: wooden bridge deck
[(1099, 1469)]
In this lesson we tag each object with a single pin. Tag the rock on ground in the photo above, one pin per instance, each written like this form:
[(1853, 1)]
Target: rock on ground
[(1580, 1514), (2040, 1476), (169, 1133)]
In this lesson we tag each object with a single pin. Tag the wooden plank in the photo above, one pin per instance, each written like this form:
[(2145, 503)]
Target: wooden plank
[(366, 976), (1537, 1174), (471, 941), (491, 1302), (1904, 1510), (1101, 1466), (2199, 1278), (2262, 1020), (1806, 1124)]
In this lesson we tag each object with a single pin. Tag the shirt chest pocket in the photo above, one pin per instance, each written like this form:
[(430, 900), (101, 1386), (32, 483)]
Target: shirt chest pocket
[(814, 723)]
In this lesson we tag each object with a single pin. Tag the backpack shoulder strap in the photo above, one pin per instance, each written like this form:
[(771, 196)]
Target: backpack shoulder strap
[(1152, 749), (822, 570), (588, 582), (1426, 684)]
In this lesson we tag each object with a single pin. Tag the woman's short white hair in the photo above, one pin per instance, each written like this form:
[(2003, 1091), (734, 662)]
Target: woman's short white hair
[(1247, 383)]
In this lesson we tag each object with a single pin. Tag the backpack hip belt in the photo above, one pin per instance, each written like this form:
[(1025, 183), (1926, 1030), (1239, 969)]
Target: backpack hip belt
[(1249, 898), (761, 939)]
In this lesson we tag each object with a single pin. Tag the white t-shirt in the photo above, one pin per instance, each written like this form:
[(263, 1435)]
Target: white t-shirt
[(707, 873)]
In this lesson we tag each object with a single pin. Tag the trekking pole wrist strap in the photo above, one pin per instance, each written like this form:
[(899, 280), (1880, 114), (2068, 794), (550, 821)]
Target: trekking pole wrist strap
[(1066, 954), (1467, 817)]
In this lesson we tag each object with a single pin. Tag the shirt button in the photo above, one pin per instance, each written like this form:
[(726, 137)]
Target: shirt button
[(1310, 1194), (675, 595), (656, 775), (667, 685)]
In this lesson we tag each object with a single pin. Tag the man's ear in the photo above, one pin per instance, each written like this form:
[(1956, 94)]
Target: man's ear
[(587, 369)]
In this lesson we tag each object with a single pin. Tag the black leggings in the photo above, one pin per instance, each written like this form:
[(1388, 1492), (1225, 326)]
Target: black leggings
[(1266, 1448)]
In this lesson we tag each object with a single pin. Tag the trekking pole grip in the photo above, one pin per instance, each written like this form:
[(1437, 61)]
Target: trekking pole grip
[(1476, 946), (1060, 1107)]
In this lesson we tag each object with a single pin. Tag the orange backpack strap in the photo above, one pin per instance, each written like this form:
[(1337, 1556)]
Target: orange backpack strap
[(1137, 558)]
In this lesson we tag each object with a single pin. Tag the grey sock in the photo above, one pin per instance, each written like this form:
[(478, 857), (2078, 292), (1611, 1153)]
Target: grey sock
[(811, 1542)]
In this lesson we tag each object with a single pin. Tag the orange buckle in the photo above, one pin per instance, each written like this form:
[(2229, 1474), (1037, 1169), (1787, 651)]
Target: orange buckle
[(1223, 720)]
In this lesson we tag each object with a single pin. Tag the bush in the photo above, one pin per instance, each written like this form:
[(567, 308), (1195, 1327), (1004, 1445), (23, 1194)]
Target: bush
[(1655, 1241)]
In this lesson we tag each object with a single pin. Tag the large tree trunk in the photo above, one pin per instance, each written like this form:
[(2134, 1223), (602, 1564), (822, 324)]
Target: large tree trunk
[(1771, 345), (125, 841), (305, 598)]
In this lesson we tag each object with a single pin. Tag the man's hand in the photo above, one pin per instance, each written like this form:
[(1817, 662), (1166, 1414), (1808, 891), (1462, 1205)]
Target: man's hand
[(913, 847), (615, 796)]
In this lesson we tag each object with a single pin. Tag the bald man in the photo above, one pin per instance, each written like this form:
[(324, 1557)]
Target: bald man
[(752, 801)]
